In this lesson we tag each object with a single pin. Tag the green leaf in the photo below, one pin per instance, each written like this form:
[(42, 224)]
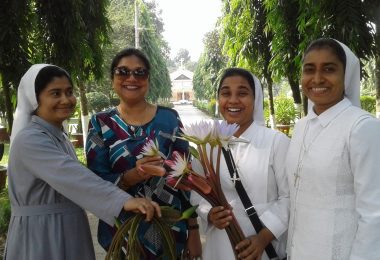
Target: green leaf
[(187, 213), (194, 152)]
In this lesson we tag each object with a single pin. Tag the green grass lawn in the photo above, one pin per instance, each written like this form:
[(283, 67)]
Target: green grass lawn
[(4, 161)]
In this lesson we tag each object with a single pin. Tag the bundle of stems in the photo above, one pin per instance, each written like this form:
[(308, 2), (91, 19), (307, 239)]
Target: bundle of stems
[(126, 242), (207, 137)]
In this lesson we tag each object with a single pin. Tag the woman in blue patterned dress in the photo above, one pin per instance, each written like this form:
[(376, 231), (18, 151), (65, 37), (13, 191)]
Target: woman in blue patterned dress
[(114, 146)]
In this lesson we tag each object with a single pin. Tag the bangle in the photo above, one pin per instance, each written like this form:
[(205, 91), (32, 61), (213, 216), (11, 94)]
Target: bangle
[(121, 182), (191, 227)]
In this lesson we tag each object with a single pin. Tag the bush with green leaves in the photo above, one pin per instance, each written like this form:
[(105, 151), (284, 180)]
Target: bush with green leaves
[(368, 103), (5, 212), (97, 101), (285, 112), (211, 107)]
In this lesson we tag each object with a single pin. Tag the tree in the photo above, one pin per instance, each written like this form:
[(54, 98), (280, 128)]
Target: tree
[(182, 57), (250, 45), (283, 17), (66, 33), (14, 49), (210, 64), (154, 46)]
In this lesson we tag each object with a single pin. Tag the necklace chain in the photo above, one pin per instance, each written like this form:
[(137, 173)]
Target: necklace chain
[(134, 124)]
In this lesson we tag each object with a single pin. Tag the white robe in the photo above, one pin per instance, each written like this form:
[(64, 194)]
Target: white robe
[(260, 164), (333, 169)]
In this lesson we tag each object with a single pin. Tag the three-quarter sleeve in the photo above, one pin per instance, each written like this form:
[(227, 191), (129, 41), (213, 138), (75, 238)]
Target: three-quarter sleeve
[(276, 217)]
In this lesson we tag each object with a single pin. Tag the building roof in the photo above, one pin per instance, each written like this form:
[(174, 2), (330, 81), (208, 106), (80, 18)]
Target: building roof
[(181, 74)]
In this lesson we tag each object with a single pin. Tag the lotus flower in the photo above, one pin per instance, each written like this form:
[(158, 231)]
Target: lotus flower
[(223, 132), (179, 165), (198, 132), (151, 148)]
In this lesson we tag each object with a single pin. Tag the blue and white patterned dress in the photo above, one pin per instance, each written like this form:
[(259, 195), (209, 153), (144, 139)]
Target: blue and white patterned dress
[(113, 146)]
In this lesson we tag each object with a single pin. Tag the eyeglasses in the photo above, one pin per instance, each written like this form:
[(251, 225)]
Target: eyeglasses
[(124, 73)]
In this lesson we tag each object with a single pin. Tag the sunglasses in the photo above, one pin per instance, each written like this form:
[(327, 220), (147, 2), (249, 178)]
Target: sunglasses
[(124, 73)]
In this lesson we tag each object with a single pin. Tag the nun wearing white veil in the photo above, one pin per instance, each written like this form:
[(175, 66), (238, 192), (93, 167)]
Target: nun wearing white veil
[(333, 162), (48, 187), (259, 160)]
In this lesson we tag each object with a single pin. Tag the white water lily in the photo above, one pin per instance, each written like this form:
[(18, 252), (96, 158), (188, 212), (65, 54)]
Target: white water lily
[(223, 132), (151, 148), (198, 132), (178, 165)]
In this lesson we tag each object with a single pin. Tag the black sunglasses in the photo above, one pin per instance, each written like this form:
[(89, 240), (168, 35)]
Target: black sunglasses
[(123, 72)]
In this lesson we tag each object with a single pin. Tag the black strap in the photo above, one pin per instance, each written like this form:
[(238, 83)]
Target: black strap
[(249, 208)]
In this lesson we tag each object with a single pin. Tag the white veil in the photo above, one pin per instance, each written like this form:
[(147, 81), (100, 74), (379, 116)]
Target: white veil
[(351, 77), (26, 99), (258, 110)]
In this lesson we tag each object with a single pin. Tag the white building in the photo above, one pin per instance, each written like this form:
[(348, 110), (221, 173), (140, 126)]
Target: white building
[(182, 85)]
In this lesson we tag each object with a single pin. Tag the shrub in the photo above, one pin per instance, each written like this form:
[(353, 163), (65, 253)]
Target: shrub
[(285, 111), (5, 212), (211, 107), (97, 101), (368, 103)]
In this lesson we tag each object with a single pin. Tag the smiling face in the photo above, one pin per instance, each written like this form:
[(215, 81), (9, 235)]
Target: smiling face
[(322, 78), (56, 102), (131, 89), (236, 101)]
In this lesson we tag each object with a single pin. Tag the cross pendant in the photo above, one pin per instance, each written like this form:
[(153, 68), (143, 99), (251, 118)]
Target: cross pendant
[(235, 178), (296, 176)]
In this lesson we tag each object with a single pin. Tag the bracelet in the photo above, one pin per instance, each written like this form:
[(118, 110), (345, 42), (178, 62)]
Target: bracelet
[(191, 227), (121, 182)]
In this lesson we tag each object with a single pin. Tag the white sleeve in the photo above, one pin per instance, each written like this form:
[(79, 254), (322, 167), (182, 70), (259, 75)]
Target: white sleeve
[(276, 217), (364, 150)]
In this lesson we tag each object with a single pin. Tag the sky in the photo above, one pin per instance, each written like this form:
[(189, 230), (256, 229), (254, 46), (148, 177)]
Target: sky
[(186, 22)]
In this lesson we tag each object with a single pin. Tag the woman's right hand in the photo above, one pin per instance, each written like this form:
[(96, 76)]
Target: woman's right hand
[(219, 217), (144, 206), (150, 166)]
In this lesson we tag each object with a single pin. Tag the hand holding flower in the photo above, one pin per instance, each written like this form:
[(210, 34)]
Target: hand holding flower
[(253, 247), (219, 217)]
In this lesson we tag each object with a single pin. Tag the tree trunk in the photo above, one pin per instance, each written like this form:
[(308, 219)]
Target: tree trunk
[(294, 85), (8, 102), (272, 117), (84, 109), (377, 69)]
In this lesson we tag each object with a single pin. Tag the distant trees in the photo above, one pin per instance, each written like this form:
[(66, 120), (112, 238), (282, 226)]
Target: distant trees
[(269, 36)]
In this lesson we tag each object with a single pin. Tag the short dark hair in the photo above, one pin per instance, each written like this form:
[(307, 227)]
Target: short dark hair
[(328, 43), (230, 72), (126, 53), (46, 75)]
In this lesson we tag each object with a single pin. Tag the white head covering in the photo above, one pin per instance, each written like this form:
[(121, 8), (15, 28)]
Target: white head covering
[(26, 99), (258, 110), (351, 77)]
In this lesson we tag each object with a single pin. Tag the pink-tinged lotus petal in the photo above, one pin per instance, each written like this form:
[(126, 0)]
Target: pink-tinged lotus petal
[(151, 149), (169, 163), (178, 165)]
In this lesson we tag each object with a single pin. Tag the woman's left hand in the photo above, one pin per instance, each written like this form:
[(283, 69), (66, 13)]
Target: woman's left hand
[(193, 249), (251, 248)]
